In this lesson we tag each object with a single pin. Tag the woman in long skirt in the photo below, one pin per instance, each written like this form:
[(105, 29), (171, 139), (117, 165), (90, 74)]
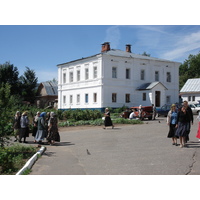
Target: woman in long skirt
[(198, 132), (107, 121), (172, 121), (40, 135), (53, 134), (182, 125)]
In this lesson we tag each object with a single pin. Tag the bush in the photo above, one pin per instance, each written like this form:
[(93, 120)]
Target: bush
[(12, 158), (79, 114)]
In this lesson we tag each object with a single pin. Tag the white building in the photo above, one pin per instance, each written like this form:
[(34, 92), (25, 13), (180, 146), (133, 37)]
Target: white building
[(116, 78), (191, 91)]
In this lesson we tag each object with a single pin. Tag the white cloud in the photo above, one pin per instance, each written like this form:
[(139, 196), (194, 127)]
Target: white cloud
[(183, 46), (113, 36)]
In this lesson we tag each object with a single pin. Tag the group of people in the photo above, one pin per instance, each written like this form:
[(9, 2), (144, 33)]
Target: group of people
[(44, 126), (179, 121)]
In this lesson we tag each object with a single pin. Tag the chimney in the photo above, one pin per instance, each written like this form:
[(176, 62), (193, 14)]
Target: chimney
[(128, 48), (105, 46)]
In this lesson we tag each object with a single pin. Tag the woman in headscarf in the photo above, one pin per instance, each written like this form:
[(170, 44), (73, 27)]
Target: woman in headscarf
[(16, 125), (107, 121), (35, 124), (40, 135), (24, 130), (53, 134)]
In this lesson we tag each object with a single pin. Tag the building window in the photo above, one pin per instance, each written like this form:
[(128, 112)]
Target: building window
[(78, 98), (168, 99), (78, 75), (142, 74), (127, 96), (95, 97), (71, 99), (86, 98), (114, 72), (114, 97), (144, 96), (71, 77), (86, 74), (168, 77), (64, 78), (189, 98), (193, 98), (127, 73), (95, 72), (64, 99), (156, 75)]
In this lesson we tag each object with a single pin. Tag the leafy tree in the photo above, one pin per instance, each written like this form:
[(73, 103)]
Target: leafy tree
[(146, 54), (9, 74), (5, 115), (29, 84), (189, 69)]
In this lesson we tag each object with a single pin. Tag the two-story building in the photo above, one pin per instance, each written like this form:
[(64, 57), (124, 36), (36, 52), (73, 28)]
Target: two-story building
[(116, 78)]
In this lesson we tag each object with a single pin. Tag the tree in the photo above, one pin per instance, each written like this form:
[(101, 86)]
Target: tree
[(5, 115), (146, 54), (189, 69), (29, 84), (9, 74)]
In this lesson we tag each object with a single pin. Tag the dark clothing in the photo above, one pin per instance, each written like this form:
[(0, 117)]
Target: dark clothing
[(16, 124), (172, 131), (189, 110), (24, 131), (183, 117), (53, 132), (108, 121), (183, 124)]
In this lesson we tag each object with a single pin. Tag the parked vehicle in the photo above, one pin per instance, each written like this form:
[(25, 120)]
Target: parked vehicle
[(147, 112), (163, 111), (195, 108)]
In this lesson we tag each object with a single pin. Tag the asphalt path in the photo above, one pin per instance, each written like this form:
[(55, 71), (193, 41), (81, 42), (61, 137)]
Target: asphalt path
[(125, 150)]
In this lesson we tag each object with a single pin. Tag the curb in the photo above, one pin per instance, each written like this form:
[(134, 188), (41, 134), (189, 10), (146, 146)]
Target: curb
[(31, 161)]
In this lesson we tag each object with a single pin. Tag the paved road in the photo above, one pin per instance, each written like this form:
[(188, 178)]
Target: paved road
[(126, 149)]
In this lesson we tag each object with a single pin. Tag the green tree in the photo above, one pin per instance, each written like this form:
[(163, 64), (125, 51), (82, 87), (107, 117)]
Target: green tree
[(5, 114), (146, 54), (189, 69), (29, 84), (9, 74)]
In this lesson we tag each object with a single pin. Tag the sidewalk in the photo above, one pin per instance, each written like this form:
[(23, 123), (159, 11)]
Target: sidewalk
[(127, 150)]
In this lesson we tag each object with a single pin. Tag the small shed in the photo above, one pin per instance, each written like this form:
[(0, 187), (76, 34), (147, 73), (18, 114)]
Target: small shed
[(47, 95), (191, 91)]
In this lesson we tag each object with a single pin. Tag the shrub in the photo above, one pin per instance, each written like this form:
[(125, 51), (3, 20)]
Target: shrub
[(12, 158)]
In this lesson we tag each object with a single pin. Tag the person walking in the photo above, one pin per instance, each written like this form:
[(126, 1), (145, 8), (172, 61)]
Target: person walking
[(190, 120), (107, 121), (154, 112), (16, 125), (198, 131), (182, 125), (171, 122), (40, 135), (53, 134), (35, 124), (24, 130)]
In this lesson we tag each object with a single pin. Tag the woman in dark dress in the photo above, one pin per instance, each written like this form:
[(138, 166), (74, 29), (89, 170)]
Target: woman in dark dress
[(107, 121), (182, 125), (53, 134)]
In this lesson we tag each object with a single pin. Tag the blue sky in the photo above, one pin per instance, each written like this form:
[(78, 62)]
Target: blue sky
[(42, 47)]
